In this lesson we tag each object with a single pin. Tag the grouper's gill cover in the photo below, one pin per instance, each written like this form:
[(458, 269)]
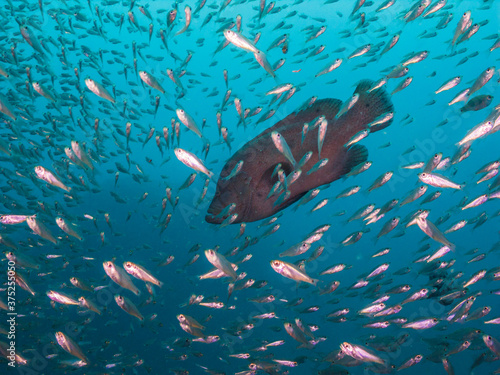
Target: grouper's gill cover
[(250, 187)]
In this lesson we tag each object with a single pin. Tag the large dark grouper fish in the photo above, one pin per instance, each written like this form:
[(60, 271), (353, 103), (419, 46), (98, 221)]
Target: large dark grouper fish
[(250, 188)]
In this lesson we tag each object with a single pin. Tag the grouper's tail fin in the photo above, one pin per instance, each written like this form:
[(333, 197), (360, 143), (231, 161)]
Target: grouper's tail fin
[(370, 105)]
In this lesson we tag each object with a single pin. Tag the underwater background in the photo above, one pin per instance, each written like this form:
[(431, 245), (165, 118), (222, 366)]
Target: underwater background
[(116, 204)]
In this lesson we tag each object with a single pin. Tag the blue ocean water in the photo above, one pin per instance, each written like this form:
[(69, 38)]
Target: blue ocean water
[(86, 37)]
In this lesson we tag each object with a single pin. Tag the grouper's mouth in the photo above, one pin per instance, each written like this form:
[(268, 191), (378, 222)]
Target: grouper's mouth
[(216, 207)]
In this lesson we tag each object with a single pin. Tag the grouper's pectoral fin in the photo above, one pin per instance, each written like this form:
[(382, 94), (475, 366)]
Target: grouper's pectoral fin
[(356, 155), (266, 184), (267, 180)]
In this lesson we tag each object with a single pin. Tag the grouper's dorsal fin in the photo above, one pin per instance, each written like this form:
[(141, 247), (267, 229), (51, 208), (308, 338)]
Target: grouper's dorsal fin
[(323, 107), (364, 85), (356, 155)]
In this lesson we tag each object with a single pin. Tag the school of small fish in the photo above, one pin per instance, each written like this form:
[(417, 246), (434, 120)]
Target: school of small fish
[(145, 191)]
